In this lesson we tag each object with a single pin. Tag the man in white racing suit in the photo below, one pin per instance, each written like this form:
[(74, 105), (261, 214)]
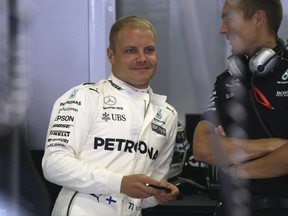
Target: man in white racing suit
[(107, 141)]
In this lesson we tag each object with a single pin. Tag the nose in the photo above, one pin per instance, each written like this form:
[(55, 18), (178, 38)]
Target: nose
[(223, 28), (141, 57)]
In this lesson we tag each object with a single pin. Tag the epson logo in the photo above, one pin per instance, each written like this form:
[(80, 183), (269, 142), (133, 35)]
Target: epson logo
[(64, 118)]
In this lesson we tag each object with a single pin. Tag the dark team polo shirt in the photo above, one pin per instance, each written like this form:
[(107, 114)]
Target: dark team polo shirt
[(233, 105)]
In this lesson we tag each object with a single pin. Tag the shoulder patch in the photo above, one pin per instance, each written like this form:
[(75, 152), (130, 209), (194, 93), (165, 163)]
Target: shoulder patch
[(88, 83), (172, 110), (94, 89)]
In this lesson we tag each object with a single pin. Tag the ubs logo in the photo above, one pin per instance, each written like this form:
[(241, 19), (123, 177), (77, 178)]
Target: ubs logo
[(114, 117), (110, 100)]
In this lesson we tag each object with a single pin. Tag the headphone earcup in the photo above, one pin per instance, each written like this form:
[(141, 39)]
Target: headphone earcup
[(238, 66), (262, 62)]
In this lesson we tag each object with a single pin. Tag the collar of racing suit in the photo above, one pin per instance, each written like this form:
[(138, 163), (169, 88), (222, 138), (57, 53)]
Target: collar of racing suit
[(132, 91)]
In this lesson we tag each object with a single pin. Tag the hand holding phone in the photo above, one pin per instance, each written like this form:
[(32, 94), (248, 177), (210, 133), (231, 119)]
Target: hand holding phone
[(165, 189)]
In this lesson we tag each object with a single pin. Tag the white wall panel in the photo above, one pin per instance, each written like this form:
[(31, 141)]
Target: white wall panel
[(67, 47)]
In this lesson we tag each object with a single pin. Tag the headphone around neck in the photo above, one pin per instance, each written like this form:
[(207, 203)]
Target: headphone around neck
[(260, 64)]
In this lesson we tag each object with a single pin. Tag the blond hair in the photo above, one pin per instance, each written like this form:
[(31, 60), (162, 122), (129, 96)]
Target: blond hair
[(128, 21)]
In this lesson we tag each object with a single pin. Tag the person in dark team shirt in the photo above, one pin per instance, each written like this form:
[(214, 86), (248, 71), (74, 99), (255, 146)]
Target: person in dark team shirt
[(244, 130)]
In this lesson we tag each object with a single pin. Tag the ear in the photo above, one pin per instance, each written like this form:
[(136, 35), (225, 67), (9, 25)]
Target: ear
[(260, 17), (110, 54)]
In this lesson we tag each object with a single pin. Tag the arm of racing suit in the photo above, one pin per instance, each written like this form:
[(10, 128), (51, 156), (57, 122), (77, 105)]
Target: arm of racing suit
[(164, 160), (73, 113)]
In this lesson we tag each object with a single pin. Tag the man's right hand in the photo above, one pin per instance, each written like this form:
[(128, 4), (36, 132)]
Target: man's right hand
[(135, 186)]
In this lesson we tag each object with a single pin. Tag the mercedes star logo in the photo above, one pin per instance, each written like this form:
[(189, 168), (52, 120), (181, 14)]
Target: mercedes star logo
[(110, 100)]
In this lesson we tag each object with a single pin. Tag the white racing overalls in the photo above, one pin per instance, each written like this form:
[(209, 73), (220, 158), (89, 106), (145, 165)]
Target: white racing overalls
[(97, 134)]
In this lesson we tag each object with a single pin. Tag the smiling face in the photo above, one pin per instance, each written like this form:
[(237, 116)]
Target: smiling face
[(134, 58), (242, 33)]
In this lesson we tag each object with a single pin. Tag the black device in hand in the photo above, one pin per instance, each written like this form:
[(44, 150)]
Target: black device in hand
[(165, 189)]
